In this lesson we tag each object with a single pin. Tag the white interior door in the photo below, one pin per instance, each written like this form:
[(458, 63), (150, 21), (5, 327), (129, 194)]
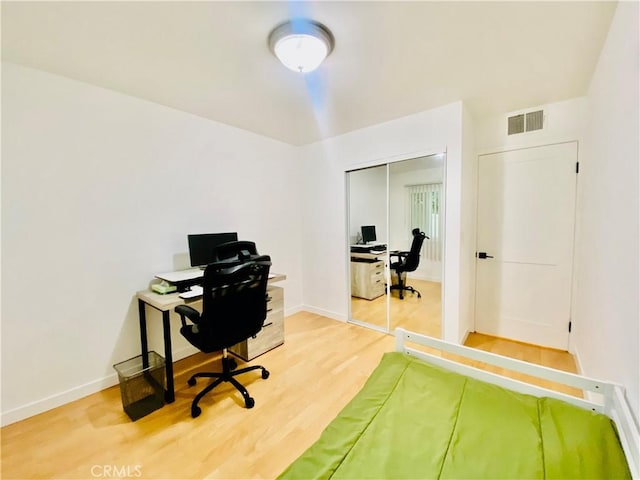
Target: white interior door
[(526, 216)]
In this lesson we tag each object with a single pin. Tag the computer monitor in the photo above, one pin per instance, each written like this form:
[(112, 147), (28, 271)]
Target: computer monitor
[(202, 246), (368, 233)]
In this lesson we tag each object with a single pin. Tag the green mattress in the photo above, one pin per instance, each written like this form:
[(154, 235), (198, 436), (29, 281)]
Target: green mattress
[(415, 420)]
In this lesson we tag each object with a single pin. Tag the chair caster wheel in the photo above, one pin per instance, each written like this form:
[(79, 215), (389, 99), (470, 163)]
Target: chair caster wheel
[(191, 382), (196, 411), (265, 373), (249, 402)]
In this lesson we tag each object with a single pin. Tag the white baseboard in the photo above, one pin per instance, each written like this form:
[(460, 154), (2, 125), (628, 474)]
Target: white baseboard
[(576, 356), (58, 399), (592, 397), (76, 393), (464, 336), (293, 310), (325, 313), (424, 277)]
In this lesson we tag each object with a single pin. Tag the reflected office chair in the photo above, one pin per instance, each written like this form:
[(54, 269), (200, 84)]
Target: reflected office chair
[(407, 262), (234, 307)]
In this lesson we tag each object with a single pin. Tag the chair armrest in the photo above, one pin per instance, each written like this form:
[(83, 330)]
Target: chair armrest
[(186, 311), (398, 254)]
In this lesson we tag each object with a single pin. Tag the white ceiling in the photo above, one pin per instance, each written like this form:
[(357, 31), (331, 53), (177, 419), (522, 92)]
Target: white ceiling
[(391, 59)]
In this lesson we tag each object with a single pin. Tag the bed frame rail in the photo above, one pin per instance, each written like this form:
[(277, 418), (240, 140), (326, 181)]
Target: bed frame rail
[(628, 430), (609, 397)]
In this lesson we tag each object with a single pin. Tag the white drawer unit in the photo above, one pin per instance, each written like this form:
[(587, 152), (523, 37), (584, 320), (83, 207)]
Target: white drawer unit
[(367, 278), (272, 333)]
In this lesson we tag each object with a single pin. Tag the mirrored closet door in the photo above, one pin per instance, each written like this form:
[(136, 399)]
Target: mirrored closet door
[(396, 244), (367, 237)]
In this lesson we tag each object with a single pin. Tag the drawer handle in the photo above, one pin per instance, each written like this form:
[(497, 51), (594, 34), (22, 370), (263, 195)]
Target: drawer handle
[(269, 310), (269, 298), (263, 326)]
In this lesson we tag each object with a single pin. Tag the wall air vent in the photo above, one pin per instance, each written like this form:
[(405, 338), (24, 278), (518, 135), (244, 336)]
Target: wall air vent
[(533, 121), (516, 124), (525, 122)]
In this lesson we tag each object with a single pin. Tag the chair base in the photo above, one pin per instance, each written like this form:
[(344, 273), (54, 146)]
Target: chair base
[(401, 288), (227, 374)]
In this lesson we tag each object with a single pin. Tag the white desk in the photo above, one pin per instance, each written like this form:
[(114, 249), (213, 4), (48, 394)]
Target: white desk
[(181, 275), (369, 255), (165, 304)]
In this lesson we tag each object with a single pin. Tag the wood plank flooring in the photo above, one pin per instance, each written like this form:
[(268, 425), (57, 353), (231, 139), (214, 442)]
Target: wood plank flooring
[(547, 357), (421, 315), (321, 366)]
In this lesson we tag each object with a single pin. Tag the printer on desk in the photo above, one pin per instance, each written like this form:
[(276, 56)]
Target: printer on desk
[(163, 287), (181, 280)]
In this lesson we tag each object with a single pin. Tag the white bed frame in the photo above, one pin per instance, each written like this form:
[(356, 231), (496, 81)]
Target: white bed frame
[(604, 397)]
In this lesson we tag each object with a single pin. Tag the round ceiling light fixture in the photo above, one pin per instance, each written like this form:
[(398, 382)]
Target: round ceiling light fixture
[(300, 44)]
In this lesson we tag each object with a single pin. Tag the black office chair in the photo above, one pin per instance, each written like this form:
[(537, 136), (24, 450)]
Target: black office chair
[(236, 249), (407, 262), (234, 307)]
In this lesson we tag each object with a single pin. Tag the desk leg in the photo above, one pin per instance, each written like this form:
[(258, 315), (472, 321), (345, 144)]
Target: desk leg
[(170, 394), (143, 333)]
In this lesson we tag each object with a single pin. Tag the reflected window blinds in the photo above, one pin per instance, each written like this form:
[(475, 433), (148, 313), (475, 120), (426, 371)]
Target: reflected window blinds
[(424, 207)]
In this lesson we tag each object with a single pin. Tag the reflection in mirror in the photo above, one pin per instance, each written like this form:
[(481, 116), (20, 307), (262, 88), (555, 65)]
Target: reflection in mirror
[(367, 237), (416, 207)]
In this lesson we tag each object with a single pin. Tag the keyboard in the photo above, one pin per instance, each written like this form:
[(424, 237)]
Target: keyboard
[(196, 291)]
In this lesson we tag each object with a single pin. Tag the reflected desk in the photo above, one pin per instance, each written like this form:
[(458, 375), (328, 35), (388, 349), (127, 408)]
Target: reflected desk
[(367, 273), (369, 255), (165, 304)]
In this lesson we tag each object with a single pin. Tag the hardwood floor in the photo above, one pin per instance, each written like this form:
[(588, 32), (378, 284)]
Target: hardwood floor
[(422, 315), (321, 366), (547, 357)]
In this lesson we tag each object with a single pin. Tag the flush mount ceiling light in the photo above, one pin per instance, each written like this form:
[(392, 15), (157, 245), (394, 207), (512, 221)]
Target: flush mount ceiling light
[(301, 45)]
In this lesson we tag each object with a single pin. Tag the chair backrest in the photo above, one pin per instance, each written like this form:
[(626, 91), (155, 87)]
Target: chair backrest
[(234, 299), (237, 249), (413, 259)]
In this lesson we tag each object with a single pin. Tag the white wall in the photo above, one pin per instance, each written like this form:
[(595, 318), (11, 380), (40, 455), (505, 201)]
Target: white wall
[(368, 202), (563, 122), (99, 191), (606, 315), (324, 252)]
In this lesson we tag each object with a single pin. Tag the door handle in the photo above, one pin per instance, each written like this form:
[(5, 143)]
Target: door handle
[(483, 255)]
